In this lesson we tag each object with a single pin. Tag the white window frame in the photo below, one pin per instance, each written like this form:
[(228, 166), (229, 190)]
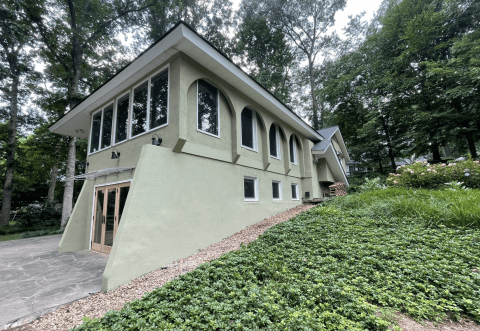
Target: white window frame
[(277, 135), (257, 196), (91, 131), (295, 156), (297, 192), (130, 112), (115, 119), (280, 192), (218, 111), (254, 131)]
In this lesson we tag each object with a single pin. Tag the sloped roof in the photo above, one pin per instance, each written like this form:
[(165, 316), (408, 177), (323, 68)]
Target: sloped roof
[(321, 145), (327, 133)]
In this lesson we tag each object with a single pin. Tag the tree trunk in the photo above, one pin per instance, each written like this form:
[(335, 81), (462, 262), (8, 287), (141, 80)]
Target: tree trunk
[(380, 166), (316, 124), (53, 182), (10, 162), (471, 146), (436, 152), (391, 155), (68, 191)]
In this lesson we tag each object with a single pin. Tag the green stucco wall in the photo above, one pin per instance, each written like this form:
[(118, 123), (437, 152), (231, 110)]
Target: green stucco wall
[(179, 203)]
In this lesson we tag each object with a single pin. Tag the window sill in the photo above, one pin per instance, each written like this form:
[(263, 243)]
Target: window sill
[(250, 149), (208, 133)]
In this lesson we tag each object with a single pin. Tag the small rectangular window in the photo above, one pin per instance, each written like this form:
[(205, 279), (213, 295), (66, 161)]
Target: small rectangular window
[(207, 108), (107, 127), (159, 100), (293, 150), (121, 123), (295, 192), (250, 188), (95, 135), (277, 190), (139, 109)]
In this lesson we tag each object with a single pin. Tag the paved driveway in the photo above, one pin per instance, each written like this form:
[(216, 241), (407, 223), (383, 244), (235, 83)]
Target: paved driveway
[(35, 279)]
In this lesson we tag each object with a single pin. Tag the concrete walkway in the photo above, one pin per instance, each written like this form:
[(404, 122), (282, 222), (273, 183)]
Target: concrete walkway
[(35, 279)]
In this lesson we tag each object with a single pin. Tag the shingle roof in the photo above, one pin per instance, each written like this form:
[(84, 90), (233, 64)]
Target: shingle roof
[(321, 145), (327, 133)]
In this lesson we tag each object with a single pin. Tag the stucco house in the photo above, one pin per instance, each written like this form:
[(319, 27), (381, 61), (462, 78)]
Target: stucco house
[(184, 150)]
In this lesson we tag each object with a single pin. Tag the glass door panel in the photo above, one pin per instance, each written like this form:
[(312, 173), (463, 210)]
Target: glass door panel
[(110, 217), (123, 197), (97, 234)]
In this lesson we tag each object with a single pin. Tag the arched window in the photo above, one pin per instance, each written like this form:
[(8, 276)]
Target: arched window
[(208, 117), (274, 138), (293, 150), (249, 129)]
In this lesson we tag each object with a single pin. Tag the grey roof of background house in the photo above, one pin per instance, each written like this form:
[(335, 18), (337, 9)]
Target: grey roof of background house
[(321, 145), (327, 133)]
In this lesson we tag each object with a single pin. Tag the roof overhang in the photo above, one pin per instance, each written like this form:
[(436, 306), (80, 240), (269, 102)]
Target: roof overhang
[(331, 156), (180, 38)]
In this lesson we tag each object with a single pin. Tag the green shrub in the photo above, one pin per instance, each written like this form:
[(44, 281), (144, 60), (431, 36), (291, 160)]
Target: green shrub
[(424, 175), (329, 268), (45, 216)]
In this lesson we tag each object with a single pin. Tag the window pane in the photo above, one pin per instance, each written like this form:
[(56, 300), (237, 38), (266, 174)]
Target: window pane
[(123, 198), (97, 236), (292, 149), (247, 128), (110, 218), (95, 138), (249, 188), (294, 191), (139, 113), (207, 108), (276, 190), (107, 126), (122, 119), (158, 100), (273, 140)]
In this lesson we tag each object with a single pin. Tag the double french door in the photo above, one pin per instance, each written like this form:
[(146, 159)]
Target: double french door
[(107, 211)]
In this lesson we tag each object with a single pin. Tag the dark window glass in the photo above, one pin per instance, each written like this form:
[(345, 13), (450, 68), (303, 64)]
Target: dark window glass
[(292, 149), (139, 113), (294, 191), (249, 188), (276, 190), (207, 108), (95, 138), (159, 100), (123, 198), (97, 236), (107, 126), (110, 218), (121, 125), (273, 140), (247, 128)]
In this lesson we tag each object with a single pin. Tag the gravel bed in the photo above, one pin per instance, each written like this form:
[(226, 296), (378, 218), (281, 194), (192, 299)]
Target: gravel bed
[(70, 315)]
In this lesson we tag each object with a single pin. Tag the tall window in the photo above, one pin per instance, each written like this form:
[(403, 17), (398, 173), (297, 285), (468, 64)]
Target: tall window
[(101, 135), (277, 190), (121, 121), (274, 138), (95, 134), (249, 129), (293, 150), (207, 108), (139, 109), (250, 188), (159, 100), (107, 126)]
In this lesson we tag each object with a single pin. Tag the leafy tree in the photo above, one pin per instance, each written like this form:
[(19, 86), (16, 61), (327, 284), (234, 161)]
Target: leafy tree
[(15, 70)]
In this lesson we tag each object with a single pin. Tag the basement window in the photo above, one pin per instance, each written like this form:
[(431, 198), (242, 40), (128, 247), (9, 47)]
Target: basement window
[(250, 188), (208, 118), (277, 190), (249, 129), (295, 192)]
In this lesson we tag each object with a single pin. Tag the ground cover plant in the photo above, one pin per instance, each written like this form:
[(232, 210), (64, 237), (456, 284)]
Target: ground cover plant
[(329, 268)]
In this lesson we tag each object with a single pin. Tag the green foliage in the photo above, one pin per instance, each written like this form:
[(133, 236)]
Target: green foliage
[(44, 216), (40, 233), (372, 184), (326, 268), (422, 174)]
